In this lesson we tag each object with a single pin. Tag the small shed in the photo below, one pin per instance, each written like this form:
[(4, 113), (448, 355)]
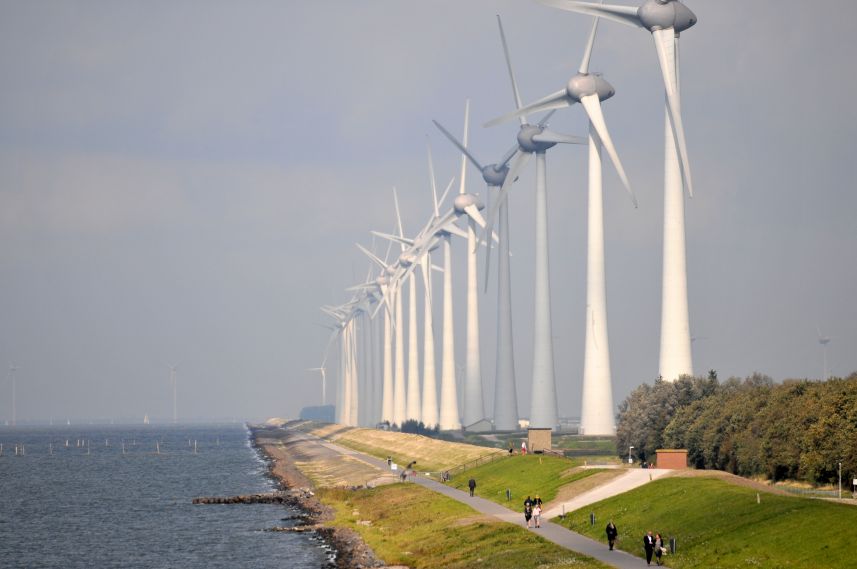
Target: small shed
[(539, 439), (672, 458)]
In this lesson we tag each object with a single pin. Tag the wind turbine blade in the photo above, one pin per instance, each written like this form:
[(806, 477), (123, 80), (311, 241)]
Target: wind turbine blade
[(372, 256), (546, 118), (553, 101), (396, 238), (398, 215), (474, 214), (455, 230), (596, 117), (458, 145), (509, 66), (508, 156), (432, 177), (464, 138), (587, 54), (445, 193), (551, 136), (518, 163), (665, 44), (622, 14)]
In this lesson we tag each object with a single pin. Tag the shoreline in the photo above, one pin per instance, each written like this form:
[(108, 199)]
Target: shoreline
[(350, 551)]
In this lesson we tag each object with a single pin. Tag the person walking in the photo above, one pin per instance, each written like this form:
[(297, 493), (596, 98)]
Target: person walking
[(537, 515), (612, 533), (659, 548), (528, 512), (472, 485), (649, 545)]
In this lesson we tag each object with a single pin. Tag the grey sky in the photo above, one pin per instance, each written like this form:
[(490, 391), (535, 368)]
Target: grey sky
[(186, 182)]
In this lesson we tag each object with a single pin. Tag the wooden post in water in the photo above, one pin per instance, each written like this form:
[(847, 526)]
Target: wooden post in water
[(51, 449), (194, 446), (157, 447), (123, 447)]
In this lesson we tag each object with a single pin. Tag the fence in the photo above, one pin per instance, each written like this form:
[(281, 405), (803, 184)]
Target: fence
[(484, 459)]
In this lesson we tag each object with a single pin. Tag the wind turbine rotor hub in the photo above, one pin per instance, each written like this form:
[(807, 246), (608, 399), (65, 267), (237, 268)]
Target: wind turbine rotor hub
[(406, 259), (463, 201), (382, 280), (583, 85), (493, 175), (526, 142), (665, 14)]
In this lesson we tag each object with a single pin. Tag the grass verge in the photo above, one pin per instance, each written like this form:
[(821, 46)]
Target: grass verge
[(717, 524), (409, 525)]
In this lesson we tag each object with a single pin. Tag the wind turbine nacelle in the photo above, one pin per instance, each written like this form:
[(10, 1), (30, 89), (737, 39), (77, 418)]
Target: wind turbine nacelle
[(463, 201), (581, 86), (665, 14), (391, 270), (494, 176), (406, 259), (526, 142), (382, 281)]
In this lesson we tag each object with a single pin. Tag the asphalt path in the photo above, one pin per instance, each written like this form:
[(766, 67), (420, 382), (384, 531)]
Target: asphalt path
[(548, 530)]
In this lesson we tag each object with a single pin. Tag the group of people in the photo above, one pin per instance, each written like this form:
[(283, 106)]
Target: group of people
[(533, 511), (654, 545)]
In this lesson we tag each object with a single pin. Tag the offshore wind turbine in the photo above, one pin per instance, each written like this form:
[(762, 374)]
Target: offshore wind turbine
[(505, 391), (590, 89), (665, 20), (536, 139)]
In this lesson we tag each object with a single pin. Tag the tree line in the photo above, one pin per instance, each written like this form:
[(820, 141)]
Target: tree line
[(796, 430)]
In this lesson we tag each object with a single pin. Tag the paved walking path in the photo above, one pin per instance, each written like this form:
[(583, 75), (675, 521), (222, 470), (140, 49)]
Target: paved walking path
[(633, 478), (550, 531)]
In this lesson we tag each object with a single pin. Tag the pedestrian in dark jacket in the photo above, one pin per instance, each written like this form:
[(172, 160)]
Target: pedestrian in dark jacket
[(649, 545), (472, 485), (612, 533)]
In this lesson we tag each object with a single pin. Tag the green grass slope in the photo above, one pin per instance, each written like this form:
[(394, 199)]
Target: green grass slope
[(523, 475), (410, 525), (718, 524)]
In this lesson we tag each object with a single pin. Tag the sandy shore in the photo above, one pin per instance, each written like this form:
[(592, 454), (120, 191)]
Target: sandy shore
[(284, 455)]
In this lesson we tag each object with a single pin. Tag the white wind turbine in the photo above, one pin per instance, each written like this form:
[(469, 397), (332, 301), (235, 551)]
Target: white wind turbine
[(505, 392), (589, 89), (322, 372), (823, 341), (665, 20), (536, 140)]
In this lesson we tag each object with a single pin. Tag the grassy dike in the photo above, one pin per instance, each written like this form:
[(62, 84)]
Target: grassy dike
[(718, 524), (407, 524), (524, 475)]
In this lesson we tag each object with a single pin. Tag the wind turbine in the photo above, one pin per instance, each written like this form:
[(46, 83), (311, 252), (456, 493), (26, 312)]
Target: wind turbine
[(823, 341), (589, 89), (173, 380), (665, 20), (505, 392), (536, 139), (321, 370)]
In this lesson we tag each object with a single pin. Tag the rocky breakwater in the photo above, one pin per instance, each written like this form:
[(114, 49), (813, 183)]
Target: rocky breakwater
[(274, 444)]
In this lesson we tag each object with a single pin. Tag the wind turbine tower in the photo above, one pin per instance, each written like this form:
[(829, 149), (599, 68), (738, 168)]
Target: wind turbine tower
[(665, 20), (823, 342)]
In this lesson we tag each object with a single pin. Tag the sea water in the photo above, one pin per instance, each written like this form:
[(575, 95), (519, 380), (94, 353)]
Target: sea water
[(122, 497)]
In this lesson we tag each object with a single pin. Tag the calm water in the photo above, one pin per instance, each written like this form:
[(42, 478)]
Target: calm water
[(93, 506)]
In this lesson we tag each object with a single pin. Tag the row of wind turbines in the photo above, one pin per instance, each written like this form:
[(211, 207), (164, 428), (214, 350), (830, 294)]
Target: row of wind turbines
[(373, 383)]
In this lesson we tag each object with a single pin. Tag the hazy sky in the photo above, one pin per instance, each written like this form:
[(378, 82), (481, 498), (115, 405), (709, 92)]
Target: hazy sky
[(185, 181)]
